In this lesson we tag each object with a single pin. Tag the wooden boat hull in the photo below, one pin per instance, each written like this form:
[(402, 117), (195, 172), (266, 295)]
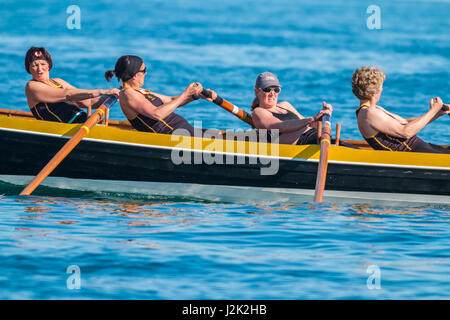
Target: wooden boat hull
[(113, 154)]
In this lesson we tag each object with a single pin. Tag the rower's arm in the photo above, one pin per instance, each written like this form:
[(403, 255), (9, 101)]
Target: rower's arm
[(436, 103), (94, 103), (393, 115), (287, 105), (82, 103), (44, 93), (263, 119), (436, 116), (382, 122), (168, 99), (138, 103)]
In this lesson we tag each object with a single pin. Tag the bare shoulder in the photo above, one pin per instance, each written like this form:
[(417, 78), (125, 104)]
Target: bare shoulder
[(32, 85), (125, 95), (130, 97), (260, 112), (373, 115), (161, 96), (380, 108), (128, 93), (63, 82), (59, 80), (286, 105), (371, 111), (126, 99), (28, 85), (29, 88)]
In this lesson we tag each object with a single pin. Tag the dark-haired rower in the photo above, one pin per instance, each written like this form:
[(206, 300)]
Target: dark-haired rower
[(150, 111), (55, 99)]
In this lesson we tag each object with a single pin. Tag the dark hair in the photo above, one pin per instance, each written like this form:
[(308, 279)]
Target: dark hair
[(37, 53), (126, 68)]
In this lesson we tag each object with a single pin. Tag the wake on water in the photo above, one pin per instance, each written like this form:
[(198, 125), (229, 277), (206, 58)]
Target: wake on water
[(184, 193)]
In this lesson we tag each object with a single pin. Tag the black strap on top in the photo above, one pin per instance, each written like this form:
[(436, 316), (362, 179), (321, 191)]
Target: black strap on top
[(359, 109), (285, 116)]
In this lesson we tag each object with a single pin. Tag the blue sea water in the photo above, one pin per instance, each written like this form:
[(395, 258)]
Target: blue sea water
[(132, 247)]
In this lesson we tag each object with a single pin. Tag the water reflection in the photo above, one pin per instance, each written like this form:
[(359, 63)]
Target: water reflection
[(137, 214), (156, 217), (367, 211)]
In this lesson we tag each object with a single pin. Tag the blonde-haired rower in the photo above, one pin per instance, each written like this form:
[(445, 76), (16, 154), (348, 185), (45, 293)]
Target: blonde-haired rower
[(384, 130)]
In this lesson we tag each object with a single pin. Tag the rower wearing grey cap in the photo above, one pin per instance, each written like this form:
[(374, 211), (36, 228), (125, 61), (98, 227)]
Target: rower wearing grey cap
[(267, 79), (268, 113)]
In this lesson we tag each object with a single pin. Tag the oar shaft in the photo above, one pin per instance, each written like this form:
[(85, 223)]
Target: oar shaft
[(69, 146), (338, 134), (238, 112), (325, 143)]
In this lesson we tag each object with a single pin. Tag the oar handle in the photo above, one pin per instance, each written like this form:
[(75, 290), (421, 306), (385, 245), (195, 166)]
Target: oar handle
[(445, 107), (217, 100), (326, 125), (110, 101), (238, 112)]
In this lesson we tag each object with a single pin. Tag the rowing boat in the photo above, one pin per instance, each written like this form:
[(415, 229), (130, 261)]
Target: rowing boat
[(117, 158)]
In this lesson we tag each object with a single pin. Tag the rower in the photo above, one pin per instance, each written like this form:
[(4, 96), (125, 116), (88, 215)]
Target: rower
[(268, 113), (147, 110), (384, 130), (55, 99)]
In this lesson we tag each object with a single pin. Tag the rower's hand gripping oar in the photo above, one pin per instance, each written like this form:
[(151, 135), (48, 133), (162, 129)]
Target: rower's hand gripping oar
[(68, 147), (238, 112), (325, 142)]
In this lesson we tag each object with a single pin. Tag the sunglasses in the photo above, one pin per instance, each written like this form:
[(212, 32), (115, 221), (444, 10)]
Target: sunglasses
[(143, 71), (269, 89)]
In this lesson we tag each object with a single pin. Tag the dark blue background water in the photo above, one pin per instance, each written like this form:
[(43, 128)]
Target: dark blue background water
[(174, 248)]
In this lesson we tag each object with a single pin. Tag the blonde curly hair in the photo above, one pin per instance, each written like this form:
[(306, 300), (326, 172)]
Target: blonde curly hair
[(366, 81)]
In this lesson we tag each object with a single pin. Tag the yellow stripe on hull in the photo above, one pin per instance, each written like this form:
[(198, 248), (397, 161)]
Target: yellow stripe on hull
[(308, 152)]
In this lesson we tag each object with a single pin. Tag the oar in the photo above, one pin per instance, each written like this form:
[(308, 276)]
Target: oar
[(325, 142), (446, 107), (68, 147), (238, 112)]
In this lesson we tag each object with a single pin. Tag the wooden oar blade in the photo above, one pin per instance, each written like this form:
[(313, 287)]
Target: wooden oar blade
[(69, 146), (325, 142)]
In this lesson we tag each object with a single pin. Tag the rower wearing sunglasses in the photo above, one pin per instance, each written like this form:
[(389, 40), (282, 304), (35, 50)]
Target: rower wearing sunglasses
[(268, 113), (147, 110)]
